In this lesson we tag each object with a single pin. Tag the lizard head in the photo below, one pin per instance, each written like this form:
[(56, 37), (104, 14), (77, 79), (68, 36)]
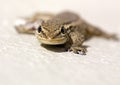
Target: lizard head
[(51, 34)]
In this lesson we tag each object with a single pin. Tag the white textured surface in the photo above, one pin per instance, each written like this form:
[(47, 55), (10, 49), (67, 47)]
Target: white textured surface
[(24, 62)]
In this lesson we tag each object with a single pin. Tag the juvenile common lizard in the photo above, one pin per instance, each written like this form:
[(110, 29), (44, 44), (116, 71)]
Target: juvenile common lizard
[(64, 28)]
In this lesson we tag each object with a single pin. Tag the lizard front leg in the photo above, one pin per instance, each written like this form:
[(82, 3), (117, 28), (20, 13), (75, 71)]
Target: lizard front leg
[(28, 25), (76, 39)]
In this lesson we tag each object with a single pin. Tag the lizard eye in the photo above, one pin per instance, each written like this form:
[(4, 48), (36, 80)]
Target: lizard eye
[(39, 29), (63, 30)]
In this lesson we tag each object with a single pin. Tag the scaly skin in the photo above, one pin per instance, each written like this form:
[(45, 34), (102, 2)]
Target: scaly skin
[(65, 28)]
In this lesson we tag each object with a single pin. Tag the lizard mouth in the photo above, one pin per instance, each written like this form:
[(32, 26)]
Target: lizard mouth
[(56, 41)]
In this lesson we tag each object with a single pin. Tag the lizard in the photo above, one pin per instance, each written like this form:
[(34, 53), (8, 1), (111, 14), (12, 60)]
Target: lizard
[(65, 28)]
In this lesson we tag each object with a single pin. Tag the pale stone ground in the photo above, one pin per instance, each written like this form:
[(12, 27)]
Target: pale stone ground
[(24, 62)]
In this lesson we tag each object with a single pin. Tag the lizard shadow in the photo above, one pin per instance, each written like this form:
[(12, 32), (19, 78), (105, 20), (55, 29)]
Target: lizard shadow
[(55, 48), (58, 48)]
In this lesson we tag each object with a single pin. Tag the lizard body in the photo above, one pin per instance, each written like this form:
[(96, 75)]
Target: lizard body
[(65, 28)]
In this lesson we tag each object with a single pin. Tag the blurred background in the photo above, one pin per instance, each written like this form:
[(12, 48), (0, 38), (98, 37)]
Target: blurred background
[(105, 12), (24, 62)]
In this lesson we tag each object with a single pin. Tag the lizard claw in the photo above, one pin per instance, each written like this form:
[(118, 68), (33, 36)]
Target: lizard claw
[(78, 50)]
